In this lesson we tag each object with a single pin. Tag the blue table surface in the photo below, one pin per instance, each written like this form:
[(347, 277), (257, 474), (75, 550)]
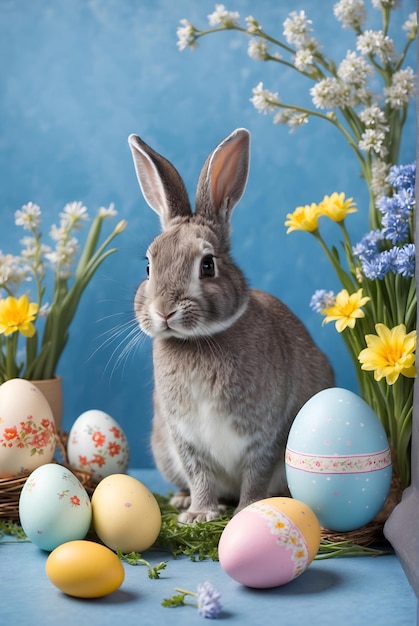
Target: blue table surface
[(339, 591)]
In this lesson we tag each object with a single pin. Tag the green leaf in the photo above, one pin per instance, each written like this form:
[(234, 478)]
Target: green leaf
[(174, 601)]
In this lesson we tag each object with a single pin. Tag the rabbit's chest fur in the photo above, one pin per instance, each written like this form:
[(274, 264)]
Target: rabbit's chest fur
[(195, 413)]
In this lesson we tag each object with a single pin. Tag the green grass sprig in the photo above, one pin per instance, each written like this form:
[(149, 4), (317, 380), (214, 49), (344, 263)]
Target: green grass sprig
[(12, 529), (135, 558), (199, 541)]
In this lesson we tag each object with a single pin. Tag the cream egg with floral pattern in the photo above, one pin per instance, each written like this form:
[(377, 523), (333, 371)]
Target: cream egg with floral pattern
[(27, 429), (98, 445)]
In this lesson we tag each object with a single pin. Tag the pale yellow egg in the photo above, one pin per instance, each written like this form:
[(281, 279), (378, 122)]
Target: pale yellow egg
[(126, 515)]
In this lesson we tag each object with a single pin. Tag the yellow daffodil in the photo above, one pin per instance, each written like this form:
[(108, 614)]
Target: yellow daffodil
[(346, 309), (17, 315), (336, 207), (303, 218), (390, 352)]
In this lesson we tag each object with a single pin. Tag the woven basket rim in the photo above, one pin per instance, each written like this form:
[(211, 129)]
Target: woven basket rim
[(10, 488)]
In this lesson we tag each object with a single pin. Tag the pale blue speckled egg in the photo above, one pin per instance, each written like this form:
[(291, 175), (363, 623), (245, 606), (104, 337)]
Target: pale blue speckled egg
[(54, 507), (338, 459)]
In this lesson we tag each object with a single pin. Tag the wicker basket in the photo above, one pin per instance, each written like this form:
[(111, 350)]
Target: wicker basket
[(10, 488)]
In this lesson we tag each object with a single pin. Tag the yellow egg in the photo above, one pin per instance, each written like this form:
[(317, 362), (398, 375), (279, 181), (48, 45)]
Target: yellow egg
[(126, 515), (84, 569)]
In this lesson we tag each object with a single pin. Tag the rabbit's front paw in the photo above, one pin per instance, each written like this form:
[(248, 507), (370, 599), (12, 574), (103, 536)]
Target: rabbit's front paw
[(181, 500), (189, 517)]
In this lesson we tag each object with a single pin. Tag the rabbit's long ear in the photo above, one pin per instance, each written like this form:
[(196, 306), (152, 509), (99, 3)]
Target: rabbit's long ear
[(224, 176), (160, 183)]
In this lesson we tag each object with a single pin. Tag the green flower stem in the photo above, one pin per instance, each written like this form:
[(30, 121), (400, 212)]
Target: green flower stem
[(12, 370), (343, 276), (393, 405), (90, 245)]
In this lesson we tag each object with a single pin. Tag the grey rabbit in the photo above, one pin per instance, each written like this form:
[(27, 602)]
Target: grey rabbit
[(232, 365)]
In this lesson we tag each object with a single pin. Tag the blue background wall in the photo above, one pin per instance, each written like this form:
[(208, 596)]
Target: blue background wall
[(77, 77)]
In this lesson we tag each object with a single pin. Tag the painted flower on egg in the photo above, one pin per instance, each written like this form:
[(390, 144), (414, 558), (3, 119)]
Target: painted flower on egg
[(28, 435), (292, 540), (97, 444)]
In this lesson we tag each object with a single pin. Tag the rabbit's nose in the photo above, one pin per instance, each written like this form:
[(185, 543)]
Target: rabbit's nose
[(165, 316)]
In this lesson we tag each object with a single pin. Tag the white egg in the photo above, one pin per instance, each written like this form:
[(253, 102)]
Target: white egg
[(97, 444), (27, 429)]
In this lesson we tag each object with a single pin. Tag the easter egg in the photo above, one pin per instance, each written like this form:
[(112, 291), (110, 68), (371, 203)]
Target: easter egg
[(126, 515), (27, 430), (54, 507), (269, 542), (84, 569), (338, 459), (97, 444)]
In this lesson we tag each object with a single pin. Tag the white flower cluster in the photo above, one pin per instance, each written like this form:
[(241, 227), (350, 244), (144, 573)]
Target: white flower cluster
[(12, 273), (376, 128), (186, 35), (343, 93), (376, 43), (402, 88), (297, 32), (263, 100), (228, 19), (258, 50), (16, 269), (352, 13)]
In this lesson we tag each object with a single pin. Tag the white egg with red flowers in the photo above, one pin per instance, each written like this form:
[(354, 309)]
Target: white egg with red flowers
[(27, 429), (97, 444), (338, 459)]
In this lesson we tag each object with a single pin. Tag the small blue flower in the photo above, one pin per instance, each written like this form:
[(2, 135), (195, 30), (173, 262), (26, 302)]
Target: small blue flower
[(396, 227), (208, 599), (368, 247), (322, 299), (406, 260), (381, 264), (403, 176)]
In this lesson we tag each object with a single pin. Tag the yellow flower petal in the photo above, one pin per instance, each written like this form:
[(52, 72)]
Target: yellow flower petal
[(390, 353), (303, 218), (17, 315), (336, 208), (346, 310)]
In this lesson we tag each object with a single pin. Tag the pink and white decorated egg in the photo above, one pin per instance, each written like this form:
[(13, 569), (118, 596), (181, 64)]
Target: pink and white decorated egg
[(269, 543), (27, 429), (97, 444)]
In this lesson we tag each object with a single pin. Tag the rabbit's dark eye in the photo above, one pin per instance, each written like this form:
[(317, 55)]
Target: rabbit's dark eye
[(207, 269), (147, 269)]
